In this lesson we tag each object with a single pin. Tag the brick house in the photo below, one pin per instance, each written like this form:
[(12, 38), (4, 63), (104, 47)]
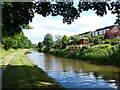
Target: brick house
[(102, 31)]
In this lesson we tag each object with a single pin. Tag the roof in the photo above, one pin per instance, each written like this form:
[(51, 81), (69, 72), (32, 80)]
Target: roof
[(73, 36), (107, 27), (84, 33)]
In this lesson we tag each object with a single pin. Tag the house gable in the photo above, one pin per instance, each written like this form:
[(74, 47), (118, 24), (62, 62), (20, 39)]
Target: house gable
[(115, 29)]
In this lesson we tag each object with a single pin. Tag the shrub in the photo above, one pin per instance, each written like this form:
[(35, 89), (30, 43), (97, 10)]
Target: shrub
[(107, 41), (99, 54), (115, 41)]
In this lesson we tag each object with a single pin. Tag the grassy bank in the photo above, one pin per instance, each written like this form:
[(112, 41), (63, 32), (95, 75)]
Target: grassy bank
[(99, 54), (23, 73), (5, 55)]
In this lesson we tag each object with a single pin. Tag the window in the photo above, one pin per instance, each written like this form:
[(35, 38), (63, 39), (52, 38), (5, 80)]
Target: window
[(96, 33), (82, 36), (92, 34), (100, 32)]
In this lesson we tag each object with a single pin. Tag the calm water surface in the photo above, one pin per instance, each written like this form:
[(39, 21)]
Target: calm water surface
[(72, 73)]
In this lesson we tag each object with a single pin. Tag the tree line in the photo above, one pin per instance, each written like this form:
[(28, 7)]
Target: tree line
[(17, 41), (61, 42)]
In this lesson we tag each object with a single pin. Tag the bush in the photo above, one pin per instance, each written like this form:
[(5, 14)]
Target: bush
[(6, 52), (107, 41), (99, 54), (115, 41)]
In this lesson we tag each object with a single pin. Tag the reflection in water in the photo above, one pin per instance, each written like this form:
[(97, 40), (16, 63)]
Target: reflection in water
[(73, 73)]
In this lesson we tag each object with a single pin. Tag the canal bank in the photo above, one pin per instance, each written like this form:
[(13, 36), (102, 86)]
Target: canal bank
[(103, 54), (21, 72), (74, 73)]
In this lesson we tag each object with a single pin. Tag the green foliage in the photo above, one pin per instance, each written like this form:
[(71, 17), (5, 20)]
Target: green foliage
[(14, 16), (118, 19), (112, 41), (64, 40), (40, 45), (57, 45), (17, 41), (6, 52), (48, 41), (58, 52), (104, 54), (97, 40), (87, 35), (24, 26), (75, 40), (115, 41), (107, 41)]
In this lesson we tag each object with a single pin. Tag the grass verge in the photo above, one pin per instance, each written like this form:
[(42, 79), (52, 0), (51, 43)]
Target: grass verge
[(100, 54), (23, 73)]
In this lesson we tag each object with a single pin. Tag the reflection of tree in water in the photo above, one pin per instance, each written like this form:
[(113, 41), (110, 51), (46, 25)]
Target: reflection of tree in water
[(118, 80), (96, 75), (106, 76), (80, 68), (48, 62), (111, 76)]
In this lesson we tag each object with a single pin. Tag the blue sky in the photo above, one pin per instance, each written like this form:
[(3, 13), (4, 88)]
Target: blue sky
[(88, 21)]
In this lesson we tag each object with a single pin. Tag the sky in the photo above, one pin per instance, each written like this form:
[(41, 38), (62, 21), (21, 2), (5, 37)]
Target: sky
[(88, 21)]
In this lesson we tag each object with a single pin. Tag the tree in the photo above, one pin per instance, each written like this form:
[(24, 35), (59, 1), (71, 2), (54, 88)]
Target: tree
[(75, 39), (40, 46), (58, 37), (117, 11), (48, 41), (17, 41), (118, 19), (97, 39), (87, 35), (64, 40), (17, 14)]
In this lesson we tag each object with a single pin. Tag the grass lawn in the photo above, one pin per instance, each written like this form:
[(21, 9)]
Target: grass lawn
[(23, 73)]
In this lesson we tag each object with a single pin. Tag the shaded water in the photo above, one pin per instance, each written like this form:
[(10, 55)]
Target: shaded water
[(72, 73)]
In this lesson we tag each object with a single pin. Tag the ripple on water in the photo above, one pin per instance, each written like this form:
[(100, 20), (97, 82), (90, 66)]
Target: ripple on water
[(75, 73)]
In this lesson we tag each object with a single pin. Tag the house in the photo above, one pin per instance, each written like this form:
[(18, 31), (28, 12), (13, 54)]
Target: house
[(102, 31), (83, 38), (84, 41)]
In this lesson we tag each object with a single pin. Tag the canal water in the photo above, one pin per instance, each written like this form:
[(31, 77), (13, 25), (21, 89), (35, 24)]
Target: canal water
[(73, 73)]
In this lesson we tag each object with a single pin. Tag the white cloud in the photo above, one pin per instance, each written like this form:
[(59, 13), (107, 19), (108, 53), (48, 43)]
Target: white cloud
[(54, 25)]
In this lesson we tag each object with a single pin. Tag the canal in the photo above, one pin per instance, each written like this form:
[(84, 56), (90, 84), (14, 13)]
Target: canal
[(73, 73)]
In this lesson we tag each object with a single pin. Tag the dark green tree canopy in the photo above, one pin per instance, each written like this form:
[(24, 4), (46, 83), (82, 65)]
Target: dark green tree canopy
[(48, 41), (18, 14), (40, 45), (14, 15), (17, 41)]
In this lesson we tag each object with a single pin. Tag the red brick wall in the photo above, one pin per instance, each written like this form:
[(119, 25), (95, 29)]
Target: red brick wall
[(115, 29)]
